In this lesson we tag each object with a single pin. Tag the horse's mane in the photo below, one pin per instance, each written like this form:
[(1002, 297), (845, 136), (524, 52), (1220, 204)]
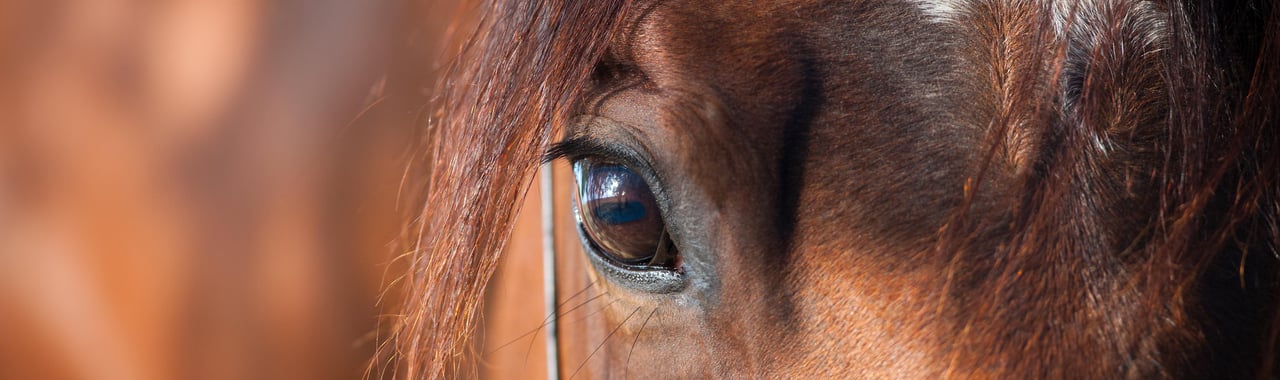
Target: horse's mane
[(1215, 148), (512, 81), (1200, 114)]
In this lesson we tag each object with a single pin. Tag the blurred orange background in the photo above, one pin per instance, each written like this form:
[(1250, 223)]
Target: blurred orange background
[(207, 189)]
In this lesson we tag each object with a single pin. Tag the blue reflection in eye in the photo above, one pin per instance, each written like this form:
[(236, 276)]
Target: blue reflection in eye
[(620, 212), (615, 195)]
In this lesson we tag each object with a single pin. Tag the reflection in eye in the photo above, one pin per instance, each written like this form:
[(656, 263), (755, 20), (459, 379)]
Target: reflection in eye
[(620, 215)]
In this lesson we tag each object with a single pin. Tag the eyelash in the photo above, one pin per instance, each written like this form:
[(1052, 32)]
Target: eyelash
[(578, 148)]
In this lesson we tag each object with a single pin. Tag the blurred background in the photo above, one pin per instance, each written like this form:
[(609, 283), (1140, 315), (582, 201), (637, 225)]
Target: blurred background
[(208, 189)]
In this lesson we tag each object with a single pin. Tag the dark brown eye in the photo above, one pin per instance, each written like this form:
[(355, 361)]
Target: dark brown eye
[(620, 216)]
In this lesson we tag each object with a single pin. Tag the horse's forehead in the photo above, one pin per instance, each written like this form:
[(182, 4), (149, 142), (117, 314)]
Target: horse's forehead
[(723, 58), (674, 35), (762, 12), (940, 10)]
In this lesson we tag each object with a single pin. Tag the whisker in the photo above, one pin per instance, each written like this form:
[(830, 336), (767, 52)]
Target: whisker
[(363, 112), (534, 331), (606, 340), (551, 317), (626, 368)]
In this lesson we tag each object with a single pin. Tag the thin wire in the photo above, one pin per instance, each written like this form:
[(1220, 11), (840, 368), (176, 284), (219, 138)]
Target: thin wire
[(549, 271)]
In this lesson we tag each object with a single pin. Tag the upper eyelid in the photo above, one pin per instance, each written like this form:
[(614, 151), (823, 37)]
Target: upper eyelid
[(628, 150), (602, 137), (597, 135), (580, 141), (581, 147)]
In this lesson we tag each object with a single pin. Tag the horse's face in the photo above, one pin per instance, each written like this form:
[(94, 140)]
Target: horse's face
[(804, 155), (804, 158)]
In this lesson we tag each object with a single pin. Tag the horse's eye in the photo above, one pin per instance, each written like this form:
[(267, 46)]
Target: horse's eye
[(620, 216)]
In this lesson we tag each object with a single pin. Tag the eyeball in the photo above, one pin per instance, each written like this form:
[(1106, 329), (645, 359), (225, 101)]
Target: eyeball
[(619, 215)]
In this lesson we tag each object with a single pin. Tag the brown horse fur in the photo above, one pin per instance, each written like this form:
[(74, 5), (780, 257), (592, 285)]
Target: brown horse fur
[(965, 188)]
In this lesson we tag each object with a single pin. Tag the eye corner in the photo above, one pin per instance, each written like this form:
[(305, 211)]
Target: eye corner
[(641, 278), (670, 263)]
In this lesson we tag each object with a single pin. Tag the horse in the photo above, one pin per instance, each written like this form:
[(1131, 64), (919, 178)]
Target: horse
[(862, 188)]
